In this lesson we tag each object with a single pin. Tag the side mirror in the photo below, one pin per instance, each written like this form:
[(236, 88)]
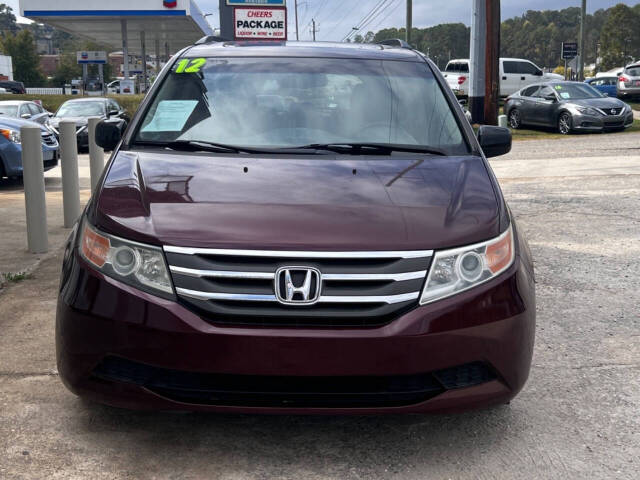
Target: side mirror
[(495, 141), (112, 113), (538, 73), (26, 116), (551, 98), (605, 94), (108, 135), (462, 102)]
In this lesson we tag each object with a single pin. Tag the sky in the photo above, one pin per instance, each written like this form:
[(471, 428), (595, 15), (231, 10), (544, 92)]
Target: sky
[(336, 18)]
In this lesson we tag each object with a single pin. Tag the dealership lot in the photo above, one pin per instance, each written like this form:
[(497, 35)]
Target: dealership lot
[(576, 198)]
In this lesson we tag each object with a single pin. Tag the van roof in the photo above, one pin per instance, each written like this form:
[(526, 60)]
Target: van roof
[(303, 49)]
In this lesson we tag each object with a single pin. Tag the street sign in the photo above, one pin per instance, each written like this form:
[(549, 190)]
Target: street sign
[(91, 57), (260, 23), (569, 50), (257, 3)]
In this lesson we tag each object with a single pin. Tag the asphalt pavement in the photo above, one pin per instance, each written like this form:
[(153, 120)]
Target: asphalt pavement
[(578, 417)]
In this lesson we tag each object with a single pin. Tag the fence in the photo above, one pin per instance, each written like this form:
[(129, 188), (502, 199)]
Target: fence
[(44, 91)]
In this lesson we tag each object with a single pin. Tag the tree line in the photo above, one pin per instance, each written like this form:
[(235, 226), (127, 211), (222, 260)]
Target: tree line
[(612, 37)]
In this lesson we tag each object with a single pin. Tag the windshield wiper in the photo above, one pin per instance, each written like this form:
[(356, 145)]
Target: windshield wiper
[(199, 146), (370, 148)]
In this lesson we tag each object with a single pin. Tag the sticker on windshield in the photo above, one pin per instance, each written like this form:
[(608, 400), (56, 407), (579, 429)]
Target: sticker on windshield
[(190, 65), (171, 116), (558, 87), (565, 94)]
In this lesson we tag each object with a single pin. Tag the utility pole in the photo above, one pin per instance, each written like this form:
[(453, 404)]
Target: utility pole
[(313, 29), (477, 63), (409, 20), (583, 19), (297, 27), (492, 63)]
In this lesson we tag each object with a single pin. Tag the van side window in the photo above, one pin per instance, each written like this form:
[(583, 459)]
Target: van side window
[(510, 67)]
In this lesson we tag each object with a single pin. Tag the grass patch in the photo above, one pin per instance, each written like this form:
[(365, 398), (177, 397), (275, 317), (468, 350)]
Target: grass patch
[(548, 134), (635, 105), (53, 102), (15, 277)]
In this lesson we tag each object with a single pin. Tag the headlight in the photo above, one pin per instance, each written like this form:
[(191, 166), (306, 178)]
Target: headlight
[(138, 265), (588, 111), (11, 135), (457, 270)]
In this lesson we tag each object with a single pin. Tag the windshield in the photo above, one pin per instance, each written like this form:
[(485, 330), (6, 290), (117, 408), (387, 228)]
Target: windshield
[(81, 109), (575, 91), (291, 102), (9, 110)]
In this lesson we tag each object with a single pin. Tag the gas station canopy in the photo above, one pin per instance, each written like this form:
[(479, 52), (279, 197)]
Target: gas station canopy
[(173, 23)]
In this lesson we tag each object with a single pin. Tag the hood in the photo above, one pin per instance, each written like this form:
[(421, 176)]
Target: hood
[(80, 121), (552, 76), (18, 123), (605, 102), (311, 202)]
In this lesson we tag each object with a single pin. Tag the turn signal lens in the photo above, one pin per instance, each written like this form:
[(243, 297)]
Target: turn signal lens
[(95, 247), (457, 270), (500, 254)]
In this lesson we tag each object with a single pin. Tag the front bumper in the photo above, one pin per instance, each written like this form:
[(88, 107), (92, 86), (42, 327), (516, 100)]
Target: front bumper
[(123, 347), (12, 158), (592, 123)]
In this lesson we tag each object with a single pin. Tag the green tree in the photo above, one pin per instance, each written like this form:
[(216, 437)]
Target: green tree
[(620, 36), (7, 19), (26, 62)]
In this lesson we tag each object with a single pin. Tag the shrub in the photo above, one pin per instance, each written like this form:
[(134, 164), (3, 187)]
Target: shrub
[(53, 102)]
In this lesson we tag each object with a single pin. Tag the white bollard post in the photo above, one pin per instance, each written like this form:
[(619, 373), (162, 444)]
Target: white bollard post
[(34, 196), (96, 154), (69, 164), (502, 121)]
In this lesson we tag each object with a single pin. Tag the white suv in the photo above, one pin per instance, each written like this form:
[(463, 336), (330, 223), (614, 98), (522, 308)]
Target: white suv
[(515, 74), (629, 81)]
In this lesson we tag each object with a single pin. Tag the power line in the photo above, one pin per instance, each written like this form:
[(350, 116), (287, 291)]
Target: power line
[(359, 25), (345, 17), (373, 13), (390, 12)]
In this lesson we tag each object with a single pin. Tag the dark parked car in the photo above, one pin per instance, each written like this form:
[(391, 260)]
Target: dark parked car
[(605, 85), (298, 228), (567, 106), (25, 110), (80, 109), (13, 87)]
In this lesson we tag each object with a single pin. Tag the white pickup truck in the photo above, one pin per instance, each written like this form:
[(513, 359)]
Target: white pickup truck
[(515, 74)]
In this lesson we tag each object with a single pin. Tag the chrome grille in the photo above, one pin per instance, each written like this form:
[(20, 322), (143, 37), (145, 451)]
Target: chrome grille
[(49, 139), (357, 288)]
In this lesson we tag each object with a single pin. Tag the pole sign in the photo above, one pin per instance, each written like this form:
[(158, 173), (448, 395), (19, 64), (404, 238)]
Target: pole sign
[(569, 50), (257, 3), (91, 57), (261, 23)]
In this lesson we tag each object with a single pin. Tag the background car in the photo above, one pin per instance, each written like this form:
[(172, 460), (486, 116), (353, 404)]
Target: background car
[(629, 81), (515, 73), (25, 110), (11, 146), (80, 109), (567, 106), (13, 87), (606, 85)]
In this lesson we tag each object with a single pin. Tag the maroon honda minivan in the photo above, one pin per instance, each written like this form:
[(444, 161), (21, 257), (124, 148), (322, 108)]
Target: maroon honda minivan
[(297, 228)]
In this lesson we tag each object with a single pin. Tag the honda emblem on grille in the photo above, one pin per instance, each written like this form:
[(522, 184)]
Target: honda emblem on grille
[(298, 285)]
